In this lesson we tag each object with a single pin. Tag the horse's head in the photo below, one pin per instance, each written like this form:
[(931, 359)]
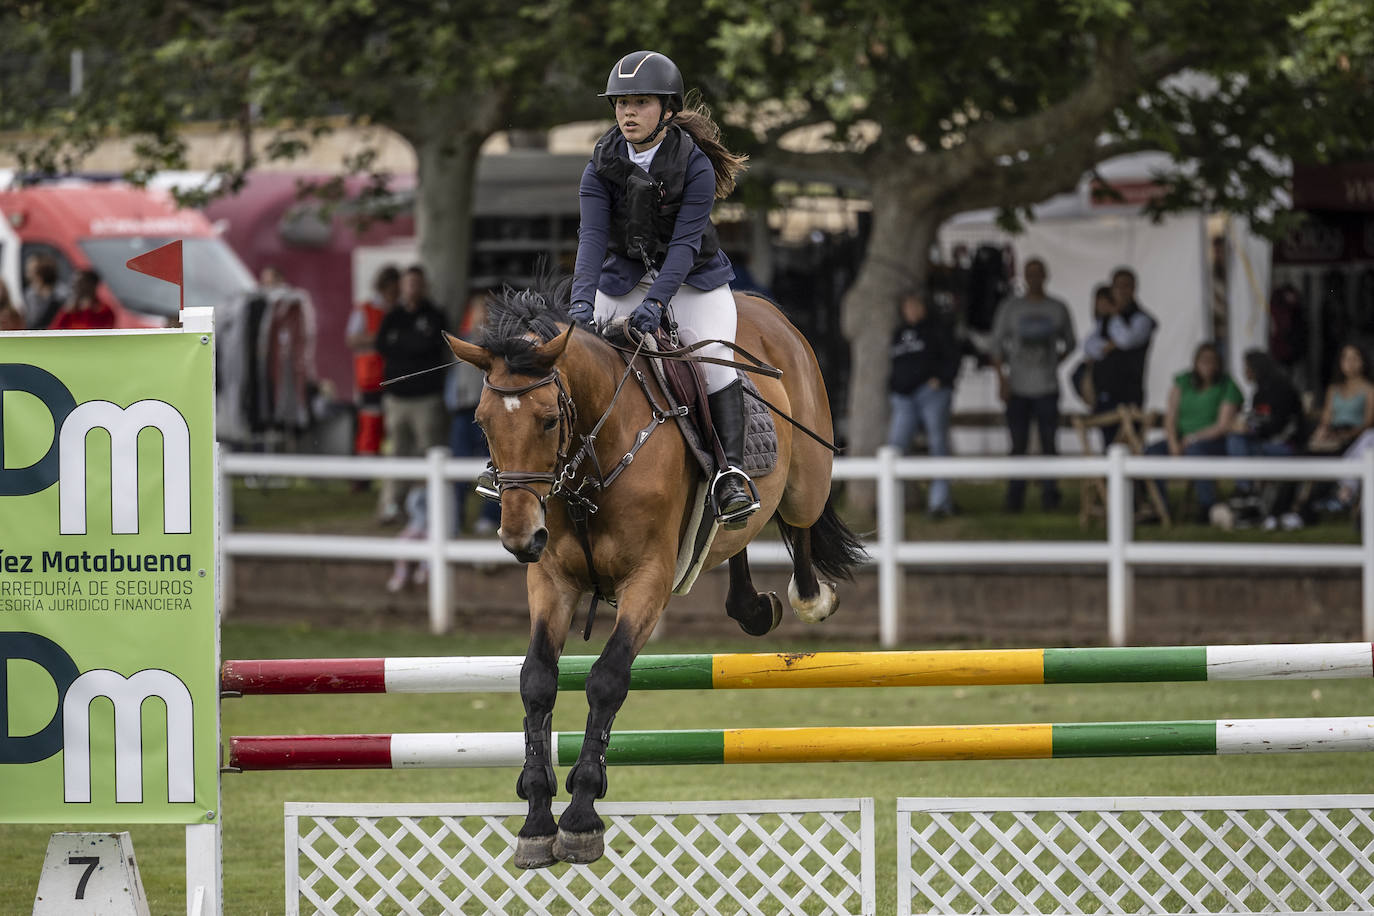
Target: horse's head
[(527, 416)]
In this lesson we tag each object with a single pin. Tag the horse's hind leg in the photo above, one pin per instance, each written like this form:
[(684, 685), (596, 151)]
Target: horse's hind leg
[(580, 831), (539, 689), (812, 599), (757, 614)]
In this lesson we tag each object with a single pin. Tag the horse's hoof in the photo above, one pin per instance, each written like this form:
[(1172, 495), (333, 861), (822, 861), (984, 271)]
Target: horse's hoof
[(534, 852), (579, 848), (814, 610), (763, 616)]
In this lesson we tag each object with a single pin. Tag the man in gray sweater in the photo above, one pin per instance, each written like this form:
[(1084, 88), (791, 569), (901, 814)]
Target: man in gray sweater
[(1031, 335)]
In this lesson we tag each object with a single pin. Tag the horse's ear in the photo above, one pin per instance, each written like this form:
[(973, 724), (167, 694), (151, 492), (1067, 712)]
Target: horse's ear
[(469, 352), (547, 353)]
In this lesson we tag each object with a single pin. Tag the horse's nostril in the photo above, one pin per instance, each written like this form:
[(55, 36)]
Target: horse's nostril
[(539, 540)]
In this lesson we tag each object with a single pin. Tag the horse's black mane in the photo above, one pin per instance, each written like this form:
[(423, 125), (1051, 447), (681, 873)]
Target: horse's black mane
[(514, 314)]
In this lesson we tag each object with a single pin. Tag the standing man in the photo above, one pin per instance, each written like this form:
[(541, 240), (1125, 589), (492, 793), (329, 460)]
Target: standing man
[(409, 341), (1031, 335), (1119, 347), (43, 296), (925, 361), (368, 366)]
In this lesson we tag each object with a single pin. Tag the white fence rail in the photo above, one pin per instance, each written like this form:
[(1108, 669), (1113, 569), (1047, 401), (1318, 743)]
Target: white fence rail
[(889, 549)]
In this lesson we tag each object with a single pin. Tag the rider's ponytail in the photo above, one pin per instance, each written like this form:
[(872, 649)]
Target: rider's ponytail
[(695, 118)]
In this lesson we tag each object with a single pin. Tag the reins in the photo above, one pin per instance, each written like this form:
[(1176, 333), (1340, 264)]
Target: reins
[(580, 506), (562, 480)]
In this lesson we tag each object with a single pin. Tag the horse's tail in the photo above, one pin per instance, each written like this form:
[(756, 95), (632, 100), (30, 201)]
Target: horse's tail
[(835, 550)]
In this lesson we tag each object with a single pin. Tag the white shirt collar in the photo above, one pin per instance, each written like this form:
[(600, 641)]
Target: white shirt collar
[(645, 158)]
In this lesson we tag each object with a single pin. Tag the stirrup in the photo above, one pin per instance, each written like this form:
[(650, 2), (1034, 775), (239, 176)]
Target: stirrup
[(486, 485), (737, 518)]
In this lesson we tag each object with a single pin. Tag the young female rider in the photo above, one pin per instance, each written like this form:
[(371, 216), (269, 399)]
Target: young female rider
[(646, 241)]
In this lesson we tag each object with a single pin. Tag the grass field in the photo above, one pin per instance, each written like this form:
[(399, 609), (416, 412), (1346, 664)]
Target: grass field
[(252, 802)]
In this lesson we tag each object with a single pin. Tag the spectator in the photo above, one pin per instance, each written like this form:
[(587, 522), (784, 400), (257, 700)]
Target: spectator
[(1349, 407), (271, 278), (925, 361), (368, 366), (404, 572), (1084, 378), (1119, 347), (43, 297), (462, 391), (1349, 489), (85, 310), (1031, 335), (412, 349), (10, 317), (1202, 409), (1272, 428)]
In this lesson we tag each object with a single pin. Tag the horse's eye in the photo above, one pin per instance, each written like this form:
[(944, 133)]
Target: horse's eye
[(550, 423)]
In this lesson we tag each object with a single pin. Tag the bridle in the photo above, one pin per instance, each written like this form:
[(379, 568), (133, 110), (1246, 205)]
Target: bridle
[(495, 482), (562, 480)]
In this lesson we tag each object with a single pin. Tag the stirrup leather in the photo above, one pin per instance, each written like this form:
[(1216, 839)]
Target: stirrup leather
[(738, 515)]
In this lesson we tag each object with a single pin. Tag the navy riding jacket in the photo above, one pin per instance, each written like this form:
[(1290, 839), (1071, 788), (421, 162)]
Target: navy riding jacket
[(616, 274)]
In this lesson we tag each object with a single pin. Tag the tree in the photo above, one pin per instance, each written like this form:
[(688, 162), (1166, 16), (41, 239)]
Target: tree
[(445, 76), (941, 108)]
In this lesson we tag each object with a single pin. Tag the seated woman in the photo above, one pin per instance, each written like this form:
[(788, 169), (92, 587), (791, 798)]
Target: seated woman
[(1202, 410), (1349, 407)]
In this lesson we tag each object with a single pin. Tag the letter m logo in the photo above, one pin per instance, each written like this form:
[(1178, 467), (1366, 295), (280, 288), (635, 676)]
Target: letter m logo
[(127, 695), (124, 425)]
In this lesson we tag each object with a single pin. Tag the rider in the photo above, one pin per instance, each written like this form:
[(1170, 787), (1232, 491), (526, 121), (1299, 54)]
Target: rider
[(646, 240)]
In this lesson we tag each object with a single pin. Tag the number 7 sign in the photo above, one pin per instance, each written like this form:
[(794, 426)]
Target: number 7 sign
[(90, 874)]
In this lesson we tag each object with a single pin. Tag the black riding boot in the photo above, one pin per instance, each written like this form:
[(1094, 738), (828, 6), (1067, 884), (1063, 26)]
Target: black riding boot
[(731, 491)]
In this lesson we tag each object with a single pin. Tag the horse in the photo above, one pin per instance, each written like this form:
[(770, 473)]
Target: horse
[(558, 410)]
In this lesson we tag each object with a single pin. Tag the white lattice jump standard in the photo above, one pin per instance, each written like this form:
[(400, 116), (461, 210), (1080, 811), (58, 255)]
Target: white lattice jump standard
[(1250, 854), (797, 856)]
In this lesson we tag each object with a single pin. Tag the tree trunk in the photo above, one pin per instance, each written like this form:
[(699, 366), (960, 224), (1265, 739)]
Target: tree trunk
[(446, 189), (895, 260)]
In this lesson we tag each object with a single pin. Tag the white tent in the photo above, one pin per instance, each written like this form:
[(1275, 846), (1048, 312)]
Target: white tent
[(1082, 241)]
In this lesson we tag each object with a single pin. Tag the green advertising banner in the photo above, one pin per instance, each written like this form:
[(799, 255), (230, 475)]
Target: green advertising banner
[(108, 622)]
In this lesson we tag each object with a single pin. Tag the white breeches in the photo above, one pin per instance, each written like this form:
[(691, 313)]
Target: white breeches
[(708, 315)]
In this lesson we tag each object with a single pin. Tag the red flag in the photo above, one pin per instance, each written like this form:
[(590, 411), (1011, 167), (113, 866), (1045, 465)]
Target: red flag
[(163, 263)]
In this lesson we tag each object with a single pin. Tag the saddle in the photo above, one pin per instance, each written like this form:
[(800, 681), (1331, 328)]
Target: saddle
[(682, 384)]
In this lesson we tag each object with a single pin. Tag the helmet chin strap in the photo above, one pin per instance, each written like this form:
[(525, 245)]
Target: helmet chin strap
[(663, 120)]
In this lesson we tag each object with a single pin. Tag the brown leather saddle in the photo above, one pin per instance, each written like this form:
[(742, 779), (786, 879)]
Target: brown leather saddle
[(683, 384)]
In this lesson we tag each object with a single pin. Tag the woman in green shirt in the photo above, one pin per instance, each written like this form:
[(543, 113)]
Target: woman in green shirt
[(1203, 404)]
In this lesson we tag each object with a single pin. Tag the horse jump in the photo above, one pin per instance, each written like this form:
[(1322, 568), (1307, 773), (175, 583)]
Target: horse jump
[(940, 668)]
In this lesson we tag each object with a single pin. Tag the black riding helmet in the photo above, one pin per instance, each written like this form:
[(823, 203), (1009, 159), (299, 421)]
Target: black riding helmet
[(647, 73)]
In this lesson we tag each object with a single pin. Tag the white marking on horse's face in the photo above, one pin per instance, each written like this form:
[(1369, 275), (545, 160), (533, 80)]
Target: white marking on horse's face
[(512, 403)]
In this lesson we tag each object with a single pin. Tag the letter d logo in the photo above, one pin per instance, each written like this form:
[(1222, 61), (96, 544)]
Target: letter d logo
[(53, 659), (59, 401)]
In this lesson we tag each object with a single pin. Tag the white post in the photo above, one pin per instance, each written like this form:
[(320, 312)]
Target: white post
[(225, 574), (204, 869), (438, 496), (204, 852), (1120, 578), (1367, 541), (890, 534)]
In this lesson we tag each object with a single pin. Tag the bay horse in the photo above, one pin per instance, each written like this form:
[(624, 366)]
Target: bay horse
[(559, 410)]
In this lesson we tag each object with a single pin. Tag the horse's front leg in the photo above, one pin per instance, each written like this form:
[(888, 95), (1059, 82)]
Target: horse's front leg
[(550, 612), (580, 830)]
